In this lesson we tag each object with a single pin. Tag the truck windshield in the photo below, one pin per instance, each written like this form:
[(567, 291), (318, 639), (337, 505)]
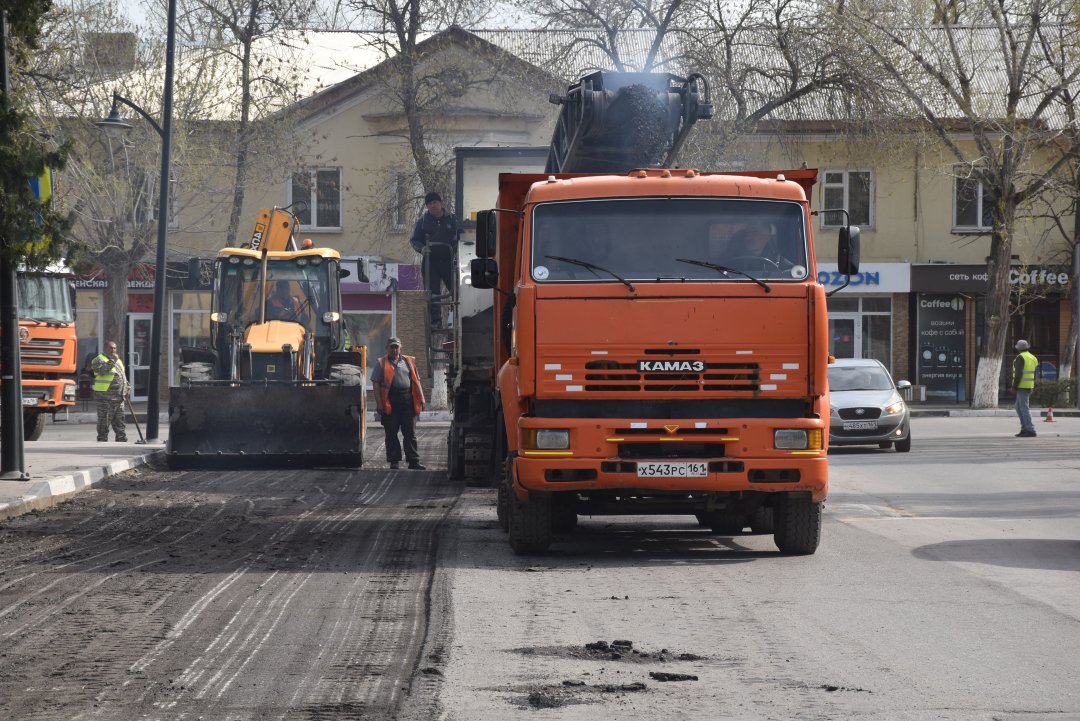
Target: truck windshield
[(665, 239), (297, 291), (45, 298)]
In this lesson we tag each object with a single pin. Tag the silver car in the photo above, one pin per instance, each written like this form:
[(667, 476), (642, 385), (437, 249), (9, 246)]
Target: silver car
[(866, 408)]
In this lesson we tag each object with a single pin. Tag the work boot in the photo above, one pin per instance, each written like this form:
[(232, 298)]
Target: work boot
[(394, 465), (122, 440), (1026, 434), (415, 466)]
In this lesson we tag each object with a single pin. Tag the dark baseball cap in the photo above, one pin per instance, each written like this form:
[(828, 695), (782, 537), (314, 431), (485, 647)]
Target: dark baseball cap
[(394, 341), (432, 197)]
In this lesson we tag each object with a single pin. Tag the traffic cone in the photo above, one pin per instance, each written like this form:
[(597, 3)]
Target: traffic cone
[(1049, 415)]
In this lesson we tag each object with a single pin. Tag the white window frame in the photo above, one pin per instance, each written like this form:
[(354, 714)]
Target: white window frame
[(312, 199), (400, 206), (845, 185), (979, 200)]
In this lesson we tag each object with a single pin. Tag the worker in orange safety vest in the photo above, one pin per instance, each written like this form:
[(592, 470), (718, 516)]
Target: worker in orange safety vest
[(400, 399)]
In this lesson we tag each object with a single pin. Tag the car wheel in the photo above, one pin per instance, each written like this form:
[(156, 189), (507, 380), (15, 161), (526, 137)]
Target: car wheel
[(905, 445)]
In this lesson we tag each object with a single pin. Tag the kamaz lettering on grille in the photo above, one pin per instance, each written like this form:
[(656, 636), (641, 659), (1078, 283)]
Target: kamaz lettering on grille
[(670, 366)]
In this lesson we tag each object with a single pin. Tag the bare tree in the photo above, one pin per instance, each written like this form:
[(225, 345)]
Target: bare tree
[(1058, 44), (629, 35), (976, 71), (421, 79), (232, 29)]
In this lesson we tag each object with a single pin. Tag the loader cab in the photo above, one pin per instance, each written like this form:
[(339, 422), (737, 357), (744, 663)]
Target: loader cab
[(284, 298)]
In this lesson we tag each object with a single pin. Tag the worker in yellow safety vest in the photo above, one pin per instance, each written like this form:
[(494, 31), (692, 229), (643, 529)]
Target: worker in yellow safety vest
[(110, 390), (1024, 381)]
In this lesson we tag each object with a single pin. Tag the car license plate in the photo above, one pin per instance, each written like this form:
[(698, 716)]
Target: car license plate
[(679, 469), (860, 425), (29, 401)]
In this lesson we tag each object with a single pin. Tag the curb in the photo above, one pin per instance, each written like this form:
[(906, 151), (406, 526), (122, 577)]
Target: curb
[(46, 493)]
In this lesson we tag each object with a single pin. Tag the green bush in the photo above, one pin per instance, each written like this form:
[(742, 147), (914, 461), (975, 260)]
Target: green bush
[(1057, 393)]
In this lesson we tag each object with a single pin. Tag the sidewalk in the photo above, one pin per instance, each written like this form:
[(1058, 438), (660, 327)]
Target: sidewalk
[(68, 459)]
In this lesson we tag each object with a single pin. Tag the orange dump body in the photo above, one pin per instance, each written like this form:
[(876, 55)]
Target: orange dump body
[(692, 376)]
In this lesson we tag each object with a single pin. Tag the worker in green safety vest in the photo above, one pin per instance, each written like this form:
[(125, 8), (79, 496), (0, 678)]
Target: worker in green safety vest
[(110, 390), (1024, 381)]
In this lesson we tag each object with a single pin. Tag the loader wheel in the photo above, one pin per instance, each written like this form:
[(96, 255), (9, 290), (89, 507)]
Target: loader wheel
[(798, 525), (33, 425), (196, 371), (348, 374), (530, 524)]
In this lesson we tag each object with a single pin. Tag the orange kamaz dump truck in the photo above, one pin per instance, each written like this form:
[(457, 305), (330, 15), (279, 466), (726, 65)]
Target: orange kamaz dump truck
[(659, 338), (46, 345)]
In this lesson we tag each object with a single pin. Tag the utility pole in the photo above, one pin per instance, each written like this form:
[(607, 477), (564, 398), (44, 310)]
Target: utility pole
[(12, 460)]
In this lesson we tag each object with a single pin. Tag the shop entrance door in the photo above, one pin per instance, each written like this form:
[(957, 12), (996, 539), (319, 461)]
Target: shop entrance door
[(844, 340), (138, 354)]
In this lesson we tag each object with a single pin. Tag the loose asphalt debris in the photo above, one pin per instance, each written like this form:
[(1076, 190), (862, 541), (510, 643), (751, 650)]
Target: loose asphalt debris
[(664, 676)]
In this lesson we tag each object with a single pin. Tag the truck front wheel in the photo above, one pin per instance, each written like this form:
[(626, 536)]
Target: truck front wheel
[(530, 524), (798, 525), (33, 425)]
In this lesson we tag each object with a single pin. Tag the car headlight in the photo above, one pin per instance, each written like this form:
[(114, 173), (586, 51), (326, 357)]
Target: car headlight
[(834, 412), (547, 439), (897, 407)]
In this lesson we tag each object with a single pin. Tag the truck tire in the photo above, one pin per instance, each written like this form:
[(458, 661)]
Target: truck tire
[(502, 495), (455, 455), (196, 371), (348, 374), (530, 524), (798, 525), (33, 425)]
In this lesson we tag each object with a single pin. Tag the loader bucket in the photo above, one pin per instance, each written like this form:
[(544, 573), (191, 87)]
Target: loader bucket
[(220, 425)]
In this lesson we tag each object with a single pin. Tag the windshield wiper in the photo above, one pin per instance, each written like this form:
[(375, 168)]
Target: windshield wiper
[(725, 270), (593, 268)]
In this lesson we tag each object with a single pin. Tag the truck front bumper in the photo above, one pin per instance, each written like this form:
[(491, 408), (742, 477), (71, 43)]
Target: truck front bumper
[(739, 453)]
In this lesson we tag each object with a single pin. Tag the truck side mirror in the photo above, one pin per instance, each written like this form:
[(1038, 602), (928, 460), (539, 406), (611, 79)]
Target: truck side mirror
[(485, 273), (847, 250), (486, 225)]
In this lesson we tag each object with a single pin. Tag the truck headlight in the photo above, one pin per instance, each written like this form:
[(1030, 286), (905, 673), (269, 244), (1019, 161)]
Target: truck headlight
[(547, 439), (897, 407), (69, 392), (790, 438)]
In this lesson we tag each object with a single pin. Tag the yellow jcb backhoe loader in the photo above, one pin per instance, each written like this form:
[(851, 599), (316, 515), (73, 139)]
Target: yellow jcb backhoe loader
[(277, 387)]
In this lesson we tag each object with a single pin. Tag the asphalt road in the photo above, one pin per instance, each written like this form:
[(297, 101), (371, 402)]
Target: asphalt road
[(947, 586), (203, 595)]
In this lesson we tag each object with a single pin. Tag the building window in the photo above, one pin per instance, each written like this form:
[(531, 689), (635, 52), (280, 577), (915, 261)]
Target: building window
[(971, 207), (317, 198), (861, 328), (852, 190), (401, 202), (190, 326)]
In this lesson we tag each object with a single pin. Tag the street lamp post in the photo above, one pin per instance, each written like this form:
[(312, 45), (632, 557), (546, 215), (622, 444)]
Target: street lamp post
[(113, 125)]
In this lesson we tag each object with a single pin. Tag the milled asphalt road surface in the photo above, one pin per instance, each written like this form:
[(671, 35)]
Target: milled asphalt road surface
[(947, 586)]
